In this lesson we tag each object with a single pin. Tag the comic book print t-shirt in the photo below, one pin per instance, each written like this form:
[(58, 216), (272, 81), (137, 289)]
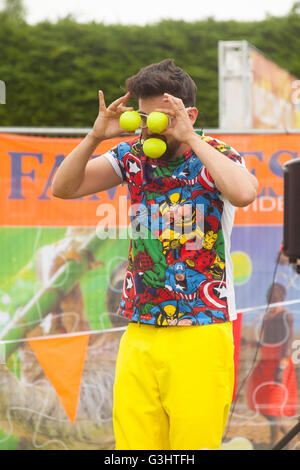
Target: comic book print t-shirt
[(179, 268)]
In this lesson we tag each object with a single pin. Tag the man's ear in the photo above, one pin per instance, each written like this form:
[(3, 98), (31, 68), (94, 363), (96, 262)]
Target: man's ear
[(193, 113)]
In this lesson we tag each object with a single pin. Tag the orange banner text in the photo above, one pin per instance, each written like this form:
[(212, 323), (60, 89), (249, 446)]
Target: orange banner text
[(28, 165)]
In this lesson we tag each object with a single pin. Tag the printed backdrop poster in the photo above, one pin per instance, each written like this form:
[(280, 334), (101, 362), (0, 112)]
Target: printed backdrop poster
[(273, 94), (59, 276)]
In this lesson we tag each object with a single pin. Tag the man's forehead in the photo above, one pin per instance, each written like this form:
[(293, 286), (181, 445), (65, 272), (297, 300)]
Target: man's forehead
[(147, 105)]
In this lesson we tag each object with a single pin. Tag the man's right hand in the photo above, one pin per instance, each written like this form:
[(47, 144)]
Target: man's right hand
[(78, 175), (107, 124)]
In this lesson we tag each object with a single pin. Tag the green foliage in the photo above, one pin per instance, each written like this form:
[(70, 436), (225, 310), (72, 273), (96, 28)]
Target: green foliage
[(14, 10), (53, 71)]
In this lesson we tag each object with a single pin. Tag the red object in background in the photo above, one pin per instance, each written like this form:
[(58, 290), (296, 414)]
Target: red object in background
[(267, 395), (237, 328)]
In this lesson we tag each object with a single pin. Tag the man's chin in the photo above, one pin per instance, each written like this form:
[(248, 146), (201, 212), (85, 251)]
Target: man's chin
[(166, 156), (170, 153)]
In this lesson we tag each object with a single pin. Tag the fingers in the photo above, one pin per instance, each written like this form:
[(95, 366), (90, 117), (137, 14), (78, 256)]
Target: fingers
[(118, 105), (168, 112), (102, 105), (175, 103), (120, 101), (122, 108)]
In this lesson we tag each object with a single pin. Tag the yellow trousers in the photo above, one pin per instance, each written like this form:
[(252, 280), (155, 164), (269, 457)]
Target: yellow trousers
[(173, 387)]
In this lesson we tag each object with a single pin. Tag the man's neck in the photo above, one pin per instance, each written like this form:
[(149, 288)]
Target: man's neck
[(184, 148), (181, 151)]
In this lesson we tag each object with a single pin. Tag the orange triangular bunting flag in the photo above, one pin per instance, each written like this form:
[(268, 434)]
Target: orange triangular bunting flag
[(62, 360)]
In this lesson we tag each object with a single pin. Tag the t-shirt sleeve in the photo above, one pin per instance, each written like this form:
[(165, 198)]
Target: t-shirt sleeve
[(226, 150), (115, 156)]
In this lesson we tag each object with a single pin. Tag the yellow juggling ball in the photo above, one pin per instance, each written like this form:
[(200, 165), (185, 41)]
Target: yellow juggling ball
[(154, 148), (157, 122), (130, 121)]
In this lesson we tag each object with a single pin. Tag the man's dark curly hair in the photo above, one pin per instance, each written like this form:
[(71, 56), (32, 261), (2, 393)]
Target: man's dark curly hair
[(160, 78)]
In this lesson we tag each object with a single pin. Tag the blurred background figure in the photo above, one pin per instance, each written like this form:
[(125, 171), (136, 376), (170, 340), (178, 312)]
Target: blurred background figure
[(272, 386)]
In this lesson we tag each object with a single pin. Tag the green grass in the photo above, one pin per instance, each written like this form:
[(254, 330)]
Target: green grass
[(8, 442)]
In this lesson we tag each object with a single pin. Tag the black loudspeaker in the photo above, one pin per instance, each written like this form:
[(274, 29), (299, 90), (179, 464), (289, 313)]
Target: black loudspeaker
[(291, 228)]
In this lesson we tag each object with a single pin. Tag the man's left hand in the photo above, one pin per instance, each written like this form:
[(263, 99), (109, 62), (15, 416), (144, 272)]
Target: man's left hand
[(183, 119)]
